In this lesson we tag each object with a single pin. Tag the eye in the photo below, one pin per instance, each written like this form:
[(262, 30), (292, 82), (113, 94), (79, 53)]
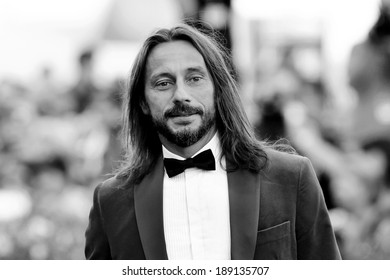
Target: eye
[(163, 84), (195, 79)]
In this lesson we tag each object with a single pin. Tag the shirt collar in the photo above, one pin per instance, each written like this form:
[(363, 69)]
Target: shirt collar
[(214, 145)]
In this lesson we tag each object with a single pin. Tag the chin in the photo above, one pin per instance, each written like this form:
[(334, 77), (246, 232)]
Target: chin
[(185, 127), (184, 130)]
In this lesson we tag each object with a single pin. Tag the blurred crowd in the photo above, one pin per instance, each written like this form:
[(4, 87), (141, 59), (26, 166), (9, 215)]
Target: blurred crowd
[(57, 142), (350, 149)]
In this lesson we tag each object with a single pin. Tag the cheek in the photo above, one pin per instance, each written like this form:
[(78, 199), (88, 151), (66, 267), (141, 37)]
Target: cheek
[(208, 99), (155, 106)]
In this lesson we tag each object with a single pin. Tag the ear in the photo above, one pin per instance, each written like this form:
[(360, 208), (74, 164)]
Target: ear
[(145, 107)]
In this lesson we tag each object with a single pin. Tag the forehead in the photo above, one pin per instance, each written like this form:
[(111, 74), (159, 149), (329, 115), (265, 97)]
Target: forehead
[(174, 55)]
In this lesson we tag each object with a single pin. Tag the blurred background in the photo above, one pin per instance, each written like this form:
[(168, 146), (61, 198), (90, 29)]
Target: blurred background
[(316, 73)]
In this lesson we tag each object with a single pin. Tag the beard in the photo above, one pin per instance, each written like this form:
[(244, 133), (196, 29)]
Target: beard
[(185, 137)]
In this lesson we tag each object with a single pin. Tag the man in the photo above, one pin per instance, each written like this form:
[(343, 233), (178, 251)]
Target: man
[(196, 183)]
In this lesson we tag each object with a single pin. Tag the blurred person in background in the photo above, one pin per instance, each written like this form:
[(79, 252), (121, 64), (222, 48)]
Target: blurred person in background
[(195, 183), (85, 89), (369, 76)]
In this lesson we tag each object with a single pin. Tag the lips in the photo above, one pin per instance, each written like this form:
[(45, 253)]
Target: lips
[(180, 115)]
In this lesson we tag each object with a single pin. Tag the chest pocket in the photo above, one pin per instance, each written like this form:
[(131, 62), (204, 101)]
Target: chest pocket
[(274, 243)]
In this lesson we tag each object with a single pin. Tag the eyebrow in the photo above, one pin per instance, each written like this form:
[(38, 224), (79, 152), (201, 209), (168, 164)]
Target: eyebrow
[(153, 78), (198, 69)]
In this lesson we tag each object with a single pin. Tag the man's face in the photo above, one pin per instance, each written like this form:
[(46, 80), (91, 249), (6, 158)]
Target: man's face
[(179, 93)]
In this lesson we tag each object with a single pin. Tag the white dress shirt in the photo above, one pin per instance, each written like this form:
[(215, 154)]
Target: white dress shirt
[(196, 210)]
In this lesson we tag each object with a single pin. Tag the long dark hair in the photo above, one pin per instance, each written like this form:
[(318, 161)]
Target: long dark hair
[(141, 142)]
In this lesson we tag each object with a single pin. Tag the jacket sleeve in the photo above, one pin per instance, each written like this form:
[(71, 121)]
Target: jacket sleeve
[(96, 245), (314, 232)]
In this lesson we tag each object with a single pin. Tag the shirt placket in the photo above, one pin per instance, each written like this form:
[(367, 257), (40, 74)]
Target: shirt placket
[(194, 213)]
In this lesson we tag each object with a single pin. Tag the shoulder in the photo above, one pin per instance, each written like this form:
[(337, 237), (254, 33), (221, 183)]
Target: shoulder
[(278, 160), (285, 166), (110, 187)]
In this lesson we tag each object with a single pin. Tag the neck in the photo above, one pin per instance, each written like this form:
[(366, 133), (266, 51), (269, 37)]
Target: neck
[(187, 152)]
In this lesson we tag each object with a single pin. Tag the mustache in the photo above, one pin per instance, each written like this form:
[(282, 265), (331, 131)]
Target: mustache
[(181, 109)]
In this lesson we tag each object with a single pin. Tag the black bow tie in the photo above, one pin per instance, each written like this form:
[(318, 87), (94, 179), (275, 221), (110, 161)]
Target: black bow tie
[(205, 160)]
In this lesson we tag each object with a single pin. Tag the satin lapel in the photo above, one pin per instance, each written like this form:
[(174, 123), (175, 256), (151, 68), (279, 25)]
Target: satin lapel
[(244, 203), (148, 201)]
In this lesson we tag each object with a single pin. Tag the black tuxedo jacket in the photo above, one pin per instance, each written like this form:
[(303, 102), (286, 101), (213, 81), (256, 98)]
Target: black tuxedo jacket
[(278, 213)]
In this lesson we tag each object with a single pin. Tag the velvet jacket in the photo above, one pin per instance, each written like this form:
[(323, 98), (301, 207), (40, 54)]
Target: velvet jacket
[(278, 213)]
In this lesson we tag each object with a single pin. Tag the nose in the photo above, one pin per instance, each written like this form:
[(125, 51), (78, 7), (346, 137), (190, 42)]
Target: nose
[(181, 93)]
